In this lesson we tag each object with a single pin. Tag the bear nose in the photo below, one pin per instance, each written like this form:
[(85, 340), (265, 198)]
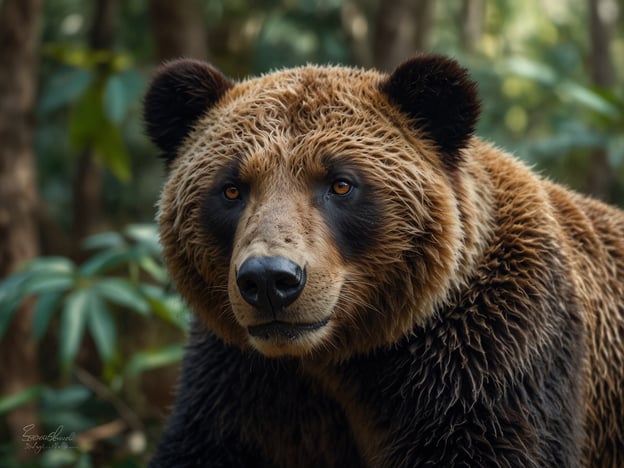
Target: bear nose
[(270, 283)]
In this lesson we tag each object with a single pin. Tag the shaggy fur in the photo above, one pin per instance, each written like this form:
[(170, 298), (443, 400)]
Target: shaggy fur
[(458, 310)]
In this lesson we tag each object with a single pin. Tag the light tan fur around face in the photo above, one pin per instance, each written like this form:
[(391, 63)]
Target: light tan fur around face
[(276, 126)]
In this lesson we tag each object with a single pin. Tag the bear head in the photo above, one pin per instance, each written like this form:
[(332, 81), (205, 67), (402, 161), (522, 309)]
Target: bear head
[(316, 211)]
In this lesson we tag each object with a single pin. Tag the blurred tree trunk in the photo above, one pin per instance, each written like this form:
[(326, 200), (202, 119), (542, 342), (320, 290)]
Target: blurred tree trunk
[(602, 18), (402, 29), (88, 184), (19, 40), (178, 29), (471, 23)]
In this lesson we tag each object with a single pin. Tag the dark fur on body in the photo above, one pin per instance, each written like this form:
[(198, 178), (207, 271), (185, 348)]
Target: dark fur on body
[(481, 323), (452, 394)]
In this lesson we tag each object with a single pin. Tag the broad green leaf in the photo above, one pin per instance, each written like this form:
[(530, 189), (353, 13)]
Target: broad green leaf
[(86, 118), (168, 307), (105, 261), (104, 240), (80, 57), (63, 88), (10, 298), (152, 359), (143, 233), (51, 265), (73, 321), (10, 402), (47, 283), (123, 293), (121, 90), (116, 101), (71, 396), (588, 98), (102, 329), (111, 150), (44, 309), (56, 457), (154, 269), (530, 69), (85, 461), (10, 286)]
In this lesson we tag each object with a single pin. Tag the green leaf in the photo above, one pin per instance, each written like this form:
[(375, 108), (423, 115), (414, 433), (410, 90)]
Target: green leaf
[(55, 457), (47, 283), (84, 461), (535, 71), (80, 57), (63, 88), (123, 293), (121, 90), (71, 396), (72, 420), (86, 118), (588, 98), (10, 298), (105, 261), (152, 359), (104, 240), (10, 286), (143, 233), (102, 328), (116, 102), (44, 309), (110, 149), (73, 321), (154, 269), (168, 307), (51, 265), (10, 402)]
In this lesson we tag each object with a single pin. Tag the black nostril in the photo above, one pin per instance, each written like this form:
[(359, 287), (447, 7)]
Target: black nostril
[(270, 283)]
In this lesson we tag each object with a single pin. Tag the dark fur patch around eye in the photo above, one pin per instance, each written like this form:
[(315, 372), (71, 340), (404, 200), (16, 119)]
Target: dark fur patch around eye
[(219, 215), (353, 220)]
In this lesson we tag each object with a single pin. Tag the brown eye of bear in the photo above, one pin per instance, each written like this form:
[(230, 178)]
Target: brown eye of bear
[(341, 187), (231, 192)]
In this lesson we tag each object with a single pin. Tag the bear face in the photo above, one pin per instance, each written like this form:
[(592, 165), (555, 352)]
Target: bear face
[(267, 219)]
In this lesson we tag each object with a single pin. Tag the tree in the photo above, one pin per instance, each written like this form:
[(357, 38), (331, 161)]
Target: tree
[(402, 29), (178, 29), (19, 34), (87, 190), (601, 21), (471, 23)]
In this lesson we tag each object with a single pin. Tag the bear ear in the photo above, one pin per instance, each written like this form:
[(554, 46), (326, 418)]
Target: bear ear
[(439, 95), (181, 92)]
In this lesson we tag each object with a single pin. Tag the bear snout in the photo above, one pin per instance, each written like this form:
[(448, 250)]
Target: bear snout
[(270, 284)]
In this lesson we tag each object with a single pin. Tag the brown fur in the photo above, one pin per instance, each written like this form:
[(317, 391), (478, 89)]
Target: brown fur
[(481, 269)]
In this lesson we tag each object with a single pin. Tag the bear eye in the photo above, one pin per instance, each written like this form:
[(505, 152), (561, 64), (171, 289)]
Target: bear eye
[(231, 192), (341, 187)]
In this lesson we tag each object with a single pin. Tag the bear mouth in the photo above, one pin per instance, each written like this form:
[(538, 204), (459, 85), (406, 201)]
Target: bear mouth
[(284, 330)]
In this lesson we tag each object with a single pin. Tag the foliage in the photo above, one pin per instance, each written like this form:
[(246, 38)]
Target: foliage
[(124, 273), (85, 295), (98, 86)]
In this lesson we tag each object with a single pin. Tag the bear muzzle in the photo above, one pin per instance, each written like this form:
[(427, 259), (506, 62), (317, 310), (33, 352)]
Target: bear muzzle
[(270, 284)]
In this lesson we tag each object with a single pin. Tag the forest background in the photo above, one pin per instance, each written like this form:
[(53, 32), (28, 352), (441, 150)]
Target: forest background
[(91, 334)]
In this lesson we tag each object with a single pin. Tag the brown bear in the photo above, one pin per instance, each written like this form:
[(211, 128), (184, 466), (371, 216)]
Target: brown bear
[(375, 286)]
